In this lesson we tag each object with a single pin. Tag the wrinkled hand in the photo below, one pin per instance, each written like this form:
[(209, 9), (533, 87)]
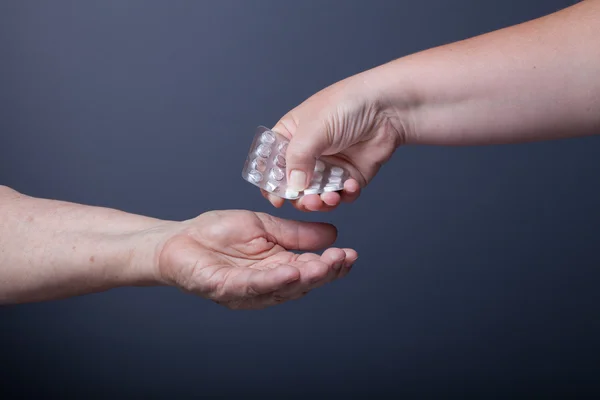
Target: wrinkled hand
[(240, 259), (347, 124)]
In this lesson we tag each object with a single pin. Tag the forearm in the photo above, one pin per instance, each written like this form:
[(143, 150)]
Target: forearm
[(52, 249), (536, 81)]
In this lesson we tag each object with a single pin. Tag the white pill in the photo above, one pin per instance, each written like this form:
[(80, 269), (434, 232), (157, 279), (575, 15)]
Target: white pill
[(335, 179), (263, 151), (277, 174), (280, 161), (267, 137), (337, 171), (255, 176), (317, 177), (282, 148), (291, 193), (266, 168), (320, 166), (312, 190), (314, 185), (272, 186), (259, 164)]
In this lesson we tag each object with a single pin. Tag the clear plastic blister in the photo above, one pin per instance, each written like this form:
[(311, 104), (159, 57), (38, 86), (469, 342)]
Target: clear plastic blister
[(265, 167)]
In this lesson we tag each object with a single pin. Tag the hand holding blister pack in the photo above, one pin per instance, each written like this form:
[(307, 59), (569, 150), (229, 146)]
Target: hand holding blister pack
[(265, 167)]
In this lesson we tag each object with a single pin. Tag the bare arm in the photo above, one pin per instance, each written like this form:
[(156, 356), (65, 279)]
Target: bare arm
[(53, 249), (539, 80)]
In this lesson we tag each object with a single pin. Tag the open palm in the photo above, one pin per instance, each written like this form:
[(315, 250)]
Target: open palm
[(241, 259)]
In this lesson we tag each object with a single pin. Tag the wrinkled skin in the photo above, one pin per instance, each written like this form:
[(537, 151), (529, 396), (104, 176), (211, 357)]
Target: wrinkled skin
[(241, 259)]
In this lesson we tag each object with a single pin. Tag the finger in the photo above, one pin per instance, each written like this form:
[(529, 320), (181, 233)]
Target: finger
[(351, 191), (313, 275), (286, 126), (340, 262), (308, 203), (315, 272), (276, 201), (314, 202), (322, 203), (308, 141), (351, 257), (331, 199), (298, 205), (335, 259), (298, 235)]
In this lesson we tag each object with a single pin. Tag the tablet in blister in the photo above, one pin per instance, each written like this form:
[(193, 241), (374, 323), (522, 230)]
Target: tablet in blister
[(265, 167)]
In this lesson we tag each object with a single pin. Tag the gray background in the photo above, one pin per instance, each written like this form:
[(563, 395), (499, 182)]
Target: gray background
[(478, 266)]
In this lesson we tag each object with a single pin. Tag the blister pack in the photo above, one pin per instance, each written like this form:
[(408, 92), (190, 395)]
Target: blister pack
[(265, 167)]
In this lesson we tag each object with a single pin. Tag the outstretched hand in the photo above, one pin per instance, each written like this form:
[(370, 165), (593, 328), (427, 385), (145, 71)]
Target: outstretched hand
[(242, 260)]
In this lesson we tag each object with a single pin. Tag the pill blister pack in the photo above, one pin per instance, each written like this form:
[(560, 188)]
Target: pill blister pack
[(265, 167)]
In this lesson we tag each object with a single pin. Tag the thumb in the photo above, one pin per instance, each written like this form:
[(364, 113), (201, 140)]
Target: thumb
[(299, 235), (307, 143)]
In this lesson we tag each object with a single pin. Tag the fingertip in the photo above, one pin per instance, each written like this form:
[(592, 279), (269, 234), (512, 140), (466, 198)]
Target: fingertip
[(351, 256), (276, 201), (333, 256), (333, 231), (311, 202), (331, 199), (351, 185), (351, 191)]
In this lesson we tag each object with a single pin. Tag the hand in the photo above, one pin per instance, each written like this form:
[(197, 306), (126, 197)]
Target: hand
[(240, 259), (346, 124)]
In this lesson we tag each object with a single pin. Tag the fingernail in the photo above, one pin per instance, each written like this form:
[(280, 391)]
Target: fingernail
[(337, 265), (298, 180)]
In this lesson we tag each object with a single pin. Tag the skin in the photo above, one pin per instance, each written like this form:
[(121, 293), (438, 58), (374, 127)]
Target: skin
[(530, 82), (51, 250), (534, 81)]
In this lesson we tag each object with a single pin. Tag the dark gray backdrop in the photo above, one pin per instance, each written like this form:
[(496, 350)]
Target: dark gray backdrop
[(478, 266)]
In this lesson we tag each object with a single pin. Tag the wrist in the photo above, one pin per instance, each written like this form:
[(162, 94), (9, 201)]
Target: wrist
[(141, 255), (391, 91)]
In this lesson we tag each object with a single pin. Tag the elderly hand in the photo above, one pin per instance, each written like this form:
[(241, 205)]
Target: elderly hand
[(241, 259)]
